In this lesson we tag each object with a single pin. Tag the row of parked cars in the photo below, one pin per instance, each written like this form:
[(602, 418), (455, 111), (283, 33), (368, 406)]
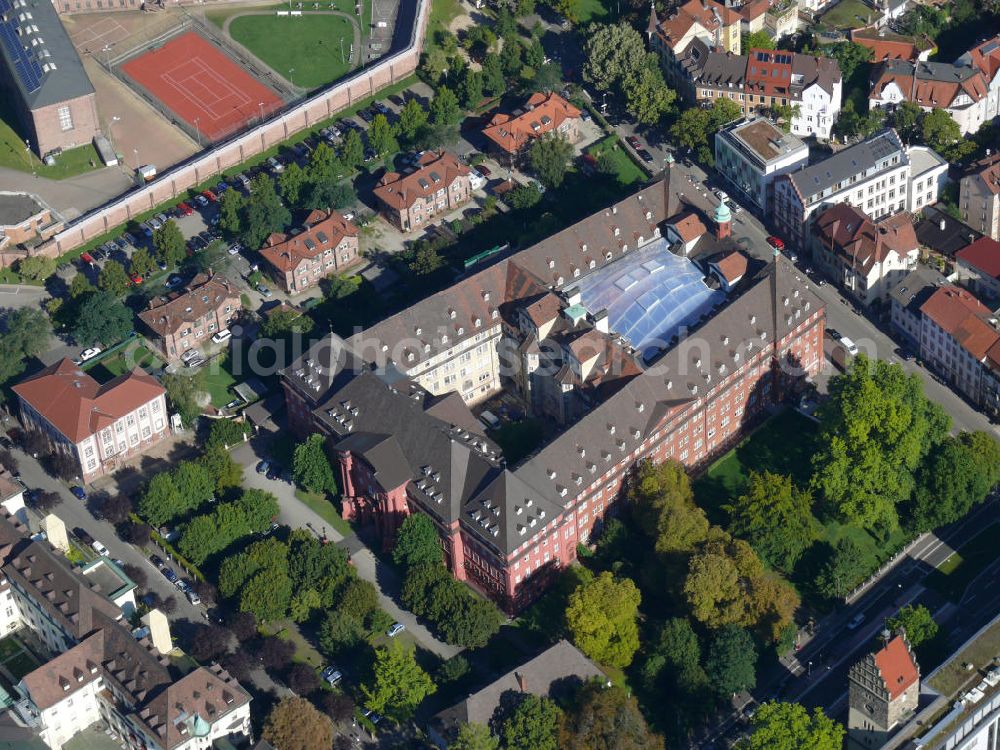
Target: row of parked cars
[(183, 586)]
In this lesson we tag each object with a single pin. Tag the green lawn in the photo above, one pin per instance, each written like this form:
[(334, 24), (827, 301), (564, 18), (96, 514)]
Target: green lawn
[(443, 12), (322, 507), (310, 45), (845, 15), (14, 155), (954, 575), (287, 630), (219, 380), (589, 11), (953, 676), (124, 361), (628, 172), (21, 664)]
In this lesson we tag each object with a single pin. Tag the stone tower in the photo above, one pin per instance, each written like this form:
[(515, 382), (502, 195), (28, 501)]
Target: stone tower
[(884, 690), (723, 219)]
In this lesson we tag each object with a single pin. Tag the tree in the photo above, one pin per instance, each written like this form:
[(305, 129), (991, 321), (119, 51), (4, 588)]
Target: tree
[(474, 737), (182, 390), (283, 323), (849, 55), (511, 55), (208, 642), (398, 684), (138, 534), (292, 184), (426, 258), (243, 625), (102, 318), (776, 518), (417, 542), (260, 508), (846, 567), (854, 124), (695, 126), (758, 40), (524, 196), (142, 262), (444, 108), (267, 594), (36, 267), (662, 503), (358, 599), (337, 706), (335, 195), (917, 622), (193, 484), (788, 726), (302, 679), (547, 78), (116, 508), (472, 88), (352, 150), (606, 718), (957, 475), (295, 724), (602, 617), (263, 214), (731, 662), (27, 331), (532, 725), (113, 278), (647, 96), (568, 9), (412, 117), (231, 206), (225, 433), (311, 466), (472, 620), (534, 54), (46, 501), (380, 136), (876, 429), (453, 669), (79, 286), (550, 157), (168, 241), (339, 634), (136, 574), (479, 40), (906, 120), (275, 653), (239, 664), (614, 53), (494, 82), (938, 129)]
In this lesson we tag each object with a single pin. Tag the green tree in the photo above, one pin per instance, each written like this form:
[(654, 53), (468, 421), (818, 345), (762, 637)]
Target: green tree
[(263, 214), (474, 737), (479, 40), (568, 9), (547, 78), (267, 594), (380, 136), (471, 88), (606, 718), (549, 156), (511, 56), (776, 518), (853, 124), (939, 129), (292, 184), (285, 322), (231, 206), (849, 56), (614, 54), (27, 331), (295, 724), (36, 267), (113, 278), (958, 474), (202, 537), (101, 318), (398, 684), (532, 725), (758, 40), (602, 617), (524, 196), (444, 108), (731, 662), (916, 621), (417, 542), (534, 54), (647, 96), (222, 468), (419, 584), (662, 503), (142, 263), (303, 603), (674, 665), (182, 391), (494, 82), (845, 568), (169, 244), (160, 501), (259, 509), (79, 286), (788, 726), (193, 483), (696, 125), (906, 120), (412, 117), (311, 466), (352, 150), (471, 621), (358, 599), (426, 258), (339, 634), (225, 433), (876, 429)]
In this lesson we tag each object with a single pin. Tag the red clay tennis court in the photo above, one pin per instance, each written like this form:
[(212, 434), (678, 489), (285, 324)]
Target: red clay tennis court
[(202, 86)]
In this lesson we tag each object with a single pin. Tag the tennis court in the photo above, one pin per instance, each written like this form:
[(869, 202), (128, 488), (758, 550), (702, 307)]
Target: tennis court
[(199, 84)]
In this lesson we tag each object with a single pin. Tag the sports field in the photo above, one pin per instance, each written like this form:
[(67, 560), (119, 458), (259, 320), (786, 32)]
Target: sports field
[(315, 47), (202, 86)]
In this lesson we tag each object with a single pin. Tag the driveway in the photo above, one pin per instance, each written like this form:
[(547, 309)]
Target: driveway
[(295, 514)]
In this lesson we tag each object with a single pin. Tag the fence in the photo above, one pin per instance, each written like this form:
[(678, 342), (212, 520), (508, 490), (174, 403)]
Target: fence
[(171, 184)]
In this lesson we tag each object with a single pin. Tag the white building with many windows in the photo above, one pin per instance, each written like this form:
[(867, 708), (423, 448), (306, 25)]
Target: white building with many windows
[(98, 426), (751, 154)]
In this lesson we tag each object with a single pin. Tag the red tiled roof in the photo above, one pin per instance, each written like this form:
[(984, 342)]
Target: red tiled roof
[(733, 266), (545, 113), (988, 171), (436, 171), (769, 72), (706, 13), (753, 10), (854, 236), (896, 664), (889, 46), (203, 295), (983, 254), (928, 92), (76, 405), (986, 57), (286, 252), (964, 318), (688, 226)]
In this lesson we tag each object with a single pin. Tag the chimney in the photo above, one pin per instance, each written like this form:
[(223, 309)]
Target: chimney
[(55, 532), (601, 321), (941, 224), (159, 630), (572, 295), (522, 682)]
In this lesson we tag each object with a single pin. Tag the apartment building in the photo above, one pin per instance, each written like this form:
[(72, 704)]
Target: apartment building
[(884, 691), (325, 244), (886, 45), (541, 115), (864, 257), (978, 266), (24, 220), (101, 427), (872, 175), (402, 447), (98, 672), (979, 196), (907, 297), (440, 183), (928, 178), (189, 318), (716, 26), (750, 154)]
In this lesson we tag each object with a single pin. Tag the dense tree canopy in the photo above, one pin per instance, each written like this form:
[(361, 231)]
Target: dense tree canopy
[(549, 158), (532, 725), (101, 318), (417, 542), (311, 466), (614, 53), (474, 737), (295, 724), (606, 718), (398, 684), (845, 568), (916, 621), (731, 663), (602, 617), (788, 726), (958, 474), (168, 242)]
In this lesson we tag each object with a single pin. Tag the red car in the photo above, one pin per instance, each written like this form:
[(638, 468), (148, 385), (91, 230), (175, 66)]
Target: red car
[(634, 142), (87, 258), (210, 195), (776, 242), (184, 209), (135, 279)]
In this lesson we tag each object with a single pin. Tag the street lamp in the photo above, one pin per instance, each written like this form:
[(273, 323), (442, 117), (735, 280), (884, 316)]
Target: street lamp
[(261, 105), (809, 673), (197, 132), (291, 80), (31, 160), (111, 136)]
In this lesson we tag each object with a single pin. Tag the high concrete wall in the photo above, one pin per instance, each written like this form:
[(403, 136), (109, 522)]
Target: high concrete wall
[(170, 185)]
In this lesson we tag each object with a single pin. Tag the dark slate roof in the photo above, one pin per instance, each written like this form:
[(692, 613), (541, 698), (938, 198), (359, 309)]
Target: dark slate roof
[(943, 233), (916, 287), (853, 160), (69, 80), (18, 207)]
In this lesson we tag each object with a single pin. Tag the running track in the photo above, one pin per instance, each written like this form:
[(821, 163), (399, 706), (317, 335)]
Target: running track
[(201, 85)]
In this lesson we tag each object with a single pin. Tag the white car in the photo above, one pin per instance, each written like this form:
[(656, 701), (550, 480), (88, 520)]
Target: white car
[(90, 353), (224, 335), (476, 180), (189, 354), (396, 630), (849, 345), (193, 597), (332, 675), (100, 549), (195, 362), (722, 195)]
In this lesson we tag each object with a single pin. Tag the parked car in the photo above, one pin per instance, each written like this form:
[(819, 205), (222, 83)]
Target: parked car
[(183, 585), (90, 353), (776, 242), (100, 549), (484, 171), (195, 361), (130, 239), (396, 629), (263, 291), (263, 466), (162, 218), (274, 472), (184, 209), (135, 278), (645, 156), (633, 142), (169, 574), (381, 108), (193, 597), (585, 116), (223, 335), (83, 536), (275, 165), (156, 560), (173, 281), (856, 621), (210, 196), (234, 403), (201, 200), (331, 675), (79, 493), (155, 223), (367, 114), (189, 354)]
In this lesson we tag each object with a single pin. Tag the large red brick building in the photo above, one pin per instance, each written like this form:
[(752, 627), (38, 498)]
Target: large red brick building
[(401, 449), (324, 245)]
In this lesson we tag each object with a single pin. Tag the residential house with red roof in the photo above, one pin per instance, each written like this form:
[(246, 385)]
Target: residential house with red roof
[(440, 183), (98, 426), (979, 196), (978, 265), (188, 319), (707, 23), (542, 114), (325, 244), (864, 257), (884, 691), (886, 45)]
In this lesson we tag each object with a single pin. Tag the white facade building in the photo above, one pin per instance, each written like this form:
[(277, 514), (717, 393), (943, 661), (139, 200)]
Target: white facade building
[(928, 177)]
